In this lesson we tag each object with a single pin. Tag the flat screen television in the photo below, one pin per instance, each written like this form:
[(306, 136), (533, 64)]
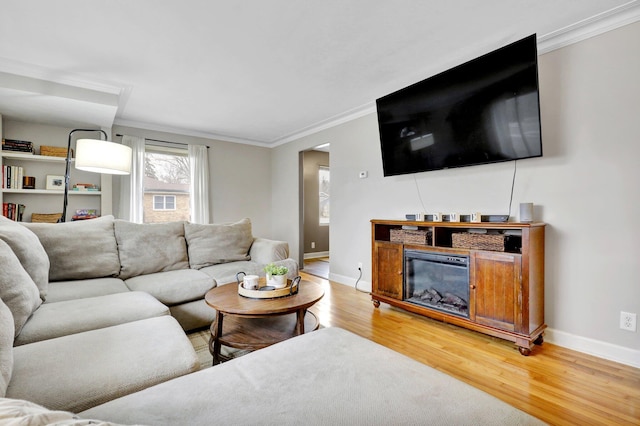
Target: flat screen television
[(484, 111)]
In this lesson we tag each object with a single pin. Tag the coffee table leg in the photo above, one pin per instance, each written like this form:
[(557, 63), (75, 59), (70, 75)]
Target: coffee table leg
[(300, 321), (216, 332)]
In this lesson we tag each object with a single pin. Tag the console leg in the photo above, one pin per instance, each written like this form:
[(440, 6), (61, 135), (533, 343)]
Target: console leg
[(524, 351)]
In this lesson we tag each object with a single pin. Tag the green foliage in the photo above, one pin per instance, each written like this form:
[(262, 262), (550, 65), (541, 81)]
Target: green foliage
[(273, 269)]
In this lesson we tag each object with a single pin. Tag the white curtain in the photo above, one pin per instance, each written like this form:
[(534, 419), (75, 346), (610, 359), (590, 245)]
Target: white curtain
[(132, 186), (199, 169)]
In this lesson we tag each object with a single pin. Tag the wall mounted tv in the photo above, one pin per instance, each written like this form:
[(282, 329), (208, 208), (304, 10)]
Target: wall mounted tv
[(484, 111)]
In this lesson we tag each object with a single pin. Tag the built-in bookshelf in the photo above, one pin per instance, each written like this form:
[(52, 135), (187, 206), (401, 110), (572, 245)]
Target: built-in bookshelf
[(40, 198)]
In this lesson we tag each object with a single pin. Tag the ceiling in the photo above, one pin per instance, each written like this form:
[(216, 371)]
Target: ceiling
[(251, 71)]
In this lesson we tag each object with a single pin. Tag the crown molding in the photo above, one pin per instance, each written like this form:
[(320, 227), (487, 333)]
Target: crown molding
[(617, 17), (336, 120), (186, 132)]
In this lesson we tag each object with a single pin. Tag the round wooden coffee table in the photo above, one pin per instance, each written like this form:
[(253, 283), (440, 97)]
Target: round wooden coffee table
[(252, 324)]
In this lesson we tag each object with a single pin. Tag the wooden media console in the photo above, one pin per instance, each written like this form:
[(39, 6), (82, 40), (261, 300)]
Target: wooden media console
[(502, 262)]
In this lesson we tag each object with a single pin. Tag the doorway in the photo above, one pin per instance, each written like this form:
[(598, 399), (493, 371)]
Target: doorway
[(315, 211)]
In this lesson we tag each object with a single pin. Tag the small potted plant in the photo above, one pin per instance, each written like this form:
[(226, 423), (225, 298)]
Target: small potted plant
[(276, 275)]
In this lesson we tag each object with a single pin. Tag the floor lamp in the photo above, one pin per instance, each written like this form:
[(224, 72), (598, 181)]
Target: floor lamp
[(98, 156)]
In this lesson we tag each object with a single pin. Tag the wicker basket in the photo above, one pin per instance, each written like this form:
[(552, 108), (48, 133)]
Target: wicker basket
[(492, 242), (45, 217), (410, 236), (54, 151)]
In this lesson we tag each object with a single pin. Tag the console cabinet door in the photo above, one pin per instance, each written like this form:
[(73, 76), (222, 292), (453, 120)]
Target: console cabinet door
[(388, 258), (496, 282)]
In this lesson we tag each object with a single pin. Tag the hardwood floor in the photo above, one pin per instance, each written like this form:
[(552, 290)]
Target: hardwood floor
[(557, 385), (318, 267)]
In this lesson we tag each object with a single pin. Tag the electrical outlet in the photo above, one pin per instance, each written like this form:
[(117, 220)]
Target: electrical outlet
[(360, 266), (313, 244), (627, 321)]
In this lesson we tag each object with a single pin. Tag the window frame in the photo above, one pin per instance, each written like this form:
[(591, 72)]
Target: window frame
[(164, 202), (324, 198)]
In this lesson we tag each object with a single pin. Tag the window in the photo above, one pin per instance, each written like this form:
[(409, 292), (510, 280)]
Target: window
[(164, 202), (324, 187), (166, 184)]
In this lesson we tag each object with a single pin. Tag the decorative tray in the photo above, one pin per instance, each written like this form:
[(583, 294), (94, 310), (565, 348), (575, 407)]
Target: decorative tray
[(269, 292)]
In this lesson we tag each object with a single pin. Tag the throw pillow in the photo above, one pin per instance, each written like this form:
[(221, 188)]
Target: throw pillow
[(218, 243), (81, 249), (7, 331), (26, 245), (17, 289), (146, 248), (21, 412)]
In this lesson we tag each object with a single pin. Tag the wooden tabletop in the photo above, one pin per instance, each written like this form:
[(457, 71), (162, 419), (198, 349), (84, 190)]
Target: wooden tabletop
[(225, 299)]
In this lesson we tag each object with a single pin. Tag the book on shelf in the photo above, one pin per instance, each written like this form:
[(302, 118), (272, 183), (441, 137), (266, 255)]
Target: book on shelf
[(12, 177), (83, 214), (13, 211), (85, 187), (17, 146)]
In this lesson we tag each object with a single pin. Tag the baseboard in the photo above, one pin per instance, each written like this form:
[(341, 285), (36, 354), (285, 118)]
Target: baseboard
[(316, 255), (585, 345), (593, 347), (351, 282)]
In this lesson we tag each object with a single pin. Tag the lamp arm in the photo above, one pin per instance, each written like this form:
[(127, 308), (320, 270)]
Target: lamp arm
[(68, 167)]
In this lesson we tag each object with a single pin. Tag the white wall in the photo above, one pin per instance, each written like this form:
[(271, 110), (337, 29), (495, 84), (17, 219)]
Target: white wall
[(585, 187)]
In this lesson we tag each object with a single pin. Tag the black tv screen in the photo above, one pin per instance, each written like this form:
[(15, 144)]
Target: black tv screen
[(484, 111)]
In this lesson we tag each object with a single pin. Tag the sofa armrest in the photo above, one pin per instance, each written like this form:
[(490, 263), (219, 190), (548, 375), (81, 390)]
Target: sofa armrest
[(266, 251)]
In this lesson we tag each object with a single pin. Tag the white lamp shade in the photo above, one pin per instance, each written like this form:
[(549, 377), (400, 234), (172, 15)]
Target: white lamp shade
[(100, 156)]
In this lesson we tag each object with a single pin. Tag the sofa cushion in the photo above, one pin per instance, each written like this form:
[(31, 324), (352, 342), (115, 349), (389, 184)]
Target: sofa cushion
[(75, 316), (80, 249), (173, 287), (21, 412), (146, 248), (225, 273), (17, 289), (265, 251), (326, 377), (79, 289), (26, 245), (218, 243), (193, 315), (7, 331), (86, 369)]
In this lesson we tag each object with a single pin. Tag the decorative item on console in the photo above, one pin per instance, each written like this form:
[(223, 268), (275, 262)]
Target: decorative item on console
[(526, 212), (475, 217)]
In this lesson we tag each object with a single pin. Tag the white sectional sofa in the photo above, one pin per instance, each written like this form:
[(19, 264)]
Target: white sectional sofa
[(98, 308)]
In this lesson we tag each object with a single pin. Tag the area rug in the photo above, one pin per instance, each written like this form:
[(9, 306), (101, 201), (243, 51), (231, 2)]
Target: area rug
[(200, 342)]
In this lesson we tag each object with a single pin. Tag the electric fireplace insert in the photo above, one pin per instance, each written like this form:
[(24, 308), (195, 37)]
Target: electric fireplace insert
[(438, 281)]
